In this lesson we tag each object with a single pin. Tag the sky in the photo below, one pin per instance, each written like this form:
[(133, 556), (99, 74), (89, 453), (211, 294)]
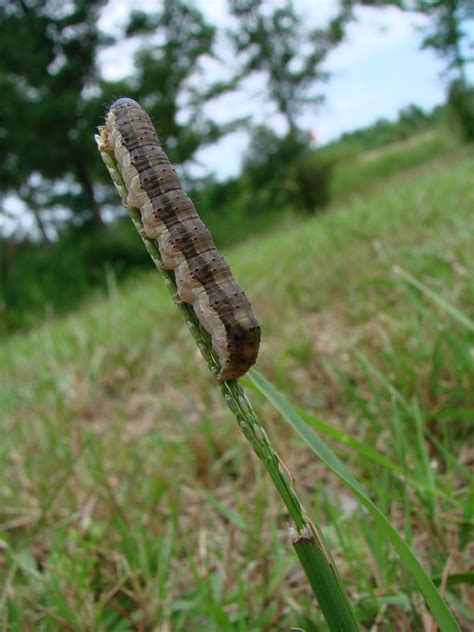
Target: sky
[(377, 70)]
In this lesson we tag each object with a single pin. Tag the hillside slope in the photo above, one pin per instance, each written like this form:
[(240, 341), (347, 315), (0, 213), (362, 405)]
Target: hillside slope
[(127, 487)]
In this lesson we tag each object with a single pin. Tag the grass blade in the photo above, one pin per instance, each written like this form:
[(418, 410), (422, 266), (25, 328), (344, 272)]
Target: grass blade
[(368, 452), (456, 578), (436, 298), (437, 605), (307, 540)]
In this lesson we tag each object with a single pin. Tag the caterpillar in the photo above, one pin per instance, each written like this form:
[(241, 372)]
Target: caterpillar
[(203, 279)]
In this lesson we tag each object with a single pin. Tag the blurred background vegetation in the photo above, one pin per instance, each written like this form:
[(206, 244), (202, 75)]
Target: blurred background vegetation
[(66, 237), (127, 500)]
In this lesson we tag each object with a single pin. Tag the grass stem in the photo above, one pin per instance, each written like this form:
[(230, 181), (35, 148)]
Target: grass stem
[(308, 542)]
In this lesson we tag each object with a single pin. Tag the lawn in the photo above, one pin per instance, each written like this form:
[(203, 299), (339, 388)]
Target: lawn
[(130, 500)]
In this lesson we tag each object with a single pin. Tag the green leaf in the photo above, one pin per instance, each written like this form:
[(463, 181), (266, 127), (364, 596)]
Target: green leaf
[(437, 605), (368, 452)]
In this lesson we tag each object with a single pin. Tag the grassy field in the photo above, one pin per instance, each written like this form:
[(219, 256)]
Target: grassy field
[(130, 500), (85, 261)]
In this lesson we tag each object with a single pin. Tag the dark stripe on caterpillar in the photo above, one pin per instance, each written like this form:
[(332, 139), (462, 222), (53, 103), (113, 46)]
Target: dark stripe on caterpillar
[(202, 277)]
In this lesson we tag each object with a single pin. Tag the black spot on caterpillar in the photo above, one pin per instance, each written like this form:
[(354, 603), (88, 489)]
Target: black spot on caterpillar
[(203, 278)]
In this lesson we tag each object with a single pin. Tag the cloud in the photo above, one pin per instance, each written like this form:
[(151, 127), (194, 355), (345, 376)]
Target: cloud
[(376, 30)]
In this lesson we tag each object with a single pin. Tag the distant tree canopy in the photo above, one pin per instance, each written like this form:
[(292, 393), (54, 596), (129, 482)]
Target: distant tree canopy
[(276, 42), (290, 54), (449, 35), (48, 53), (54, 97), (447, 32), (166, 73)]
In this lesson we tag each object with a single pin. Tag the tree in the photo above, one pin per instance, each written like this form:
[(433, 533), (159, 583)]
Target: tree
[(449, 36), (279, 44), (282, 173), (54, 97), (446, 34), (48, 55), (170, 79)]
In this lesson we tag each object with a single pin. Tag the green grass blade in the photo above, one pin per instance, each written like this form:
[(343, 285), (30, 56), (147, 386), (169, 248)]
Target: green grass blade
[(369, 453), (455, 578), (466, 527), (436, 298), (437, 605), (360, 447), (307, 540), (424, 458), (232, 516)]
